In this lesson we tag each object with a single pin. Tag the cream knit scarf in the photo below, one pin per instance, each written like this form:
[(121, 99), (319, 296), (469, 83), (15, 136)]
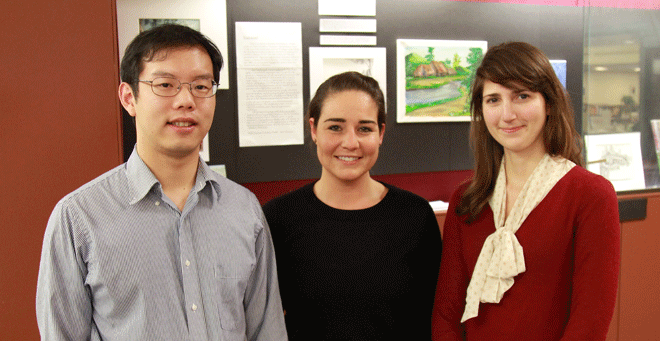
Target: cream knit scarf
[(501, 257)]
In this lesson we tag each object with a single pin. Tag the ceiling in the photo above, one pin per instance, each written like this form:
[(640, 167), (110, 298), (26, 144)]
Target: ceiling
[(615, 38)]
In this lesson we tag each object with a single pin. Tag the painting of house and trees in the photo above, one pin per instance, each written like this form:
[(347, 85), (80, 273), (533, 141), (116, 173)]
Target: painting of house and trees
[(434, 78)]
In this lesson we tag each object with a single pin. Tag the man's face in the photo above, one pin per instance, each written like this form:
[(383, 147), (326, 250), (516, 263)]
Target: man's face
[(171, 126)]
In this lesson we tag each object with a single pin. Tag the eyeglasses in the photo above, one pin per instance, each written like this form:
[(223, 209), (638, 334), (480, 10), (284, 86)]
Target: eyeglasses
[(169, 87)]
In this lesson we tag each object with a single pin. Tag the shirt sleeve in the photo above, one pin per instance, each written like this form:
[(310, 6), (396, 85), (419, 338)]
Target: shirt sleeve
[(273, 216), (452, 282), (64, 308), (430, 252), (263, 307), (597, 261)]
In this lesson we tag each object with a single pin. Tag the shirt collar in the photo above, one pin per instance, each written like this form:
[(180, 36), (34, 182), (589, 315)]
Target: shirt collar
[(205, 175), (141, 180), (140, 177)]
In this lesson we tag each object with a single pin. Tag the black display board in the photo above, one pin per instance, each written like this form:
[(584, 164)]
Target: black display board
[(407, 147)]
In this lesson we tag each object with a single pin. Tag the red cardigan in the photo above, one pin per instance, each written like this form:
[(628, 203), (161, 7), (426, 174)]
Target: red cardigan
[(571, 243)]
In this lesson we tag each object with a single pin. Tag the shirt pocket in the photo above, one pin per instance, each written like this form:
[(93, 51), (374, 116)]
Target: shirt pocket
[(231, 283)]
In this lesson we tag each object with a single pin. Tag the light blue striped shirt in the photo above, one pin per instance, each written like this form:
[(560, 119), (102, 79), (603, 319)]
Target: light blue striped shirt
[(121, 262)]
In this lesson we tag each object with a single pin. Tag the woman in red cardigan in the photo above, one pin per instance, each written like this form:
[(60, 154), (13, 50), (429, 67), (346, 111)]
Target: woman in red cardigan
[(531, 244)]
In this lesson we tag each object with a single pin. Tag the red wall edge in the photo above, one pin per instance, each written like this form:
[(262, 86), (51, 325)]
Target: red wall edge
[(431, 185)]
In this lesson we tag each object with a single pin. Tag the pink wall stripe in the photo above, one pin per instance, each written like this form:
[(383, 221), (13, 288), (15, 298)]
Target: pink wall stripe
[(639, 4)]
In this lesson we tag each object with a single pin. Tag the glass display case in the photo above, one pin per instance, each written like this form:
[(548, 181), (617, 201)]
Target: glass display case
[(621, 96)]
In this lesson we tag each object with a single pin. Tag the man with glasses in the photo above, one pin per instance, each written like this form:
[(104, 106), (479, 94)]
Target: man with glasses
[(161, 247)]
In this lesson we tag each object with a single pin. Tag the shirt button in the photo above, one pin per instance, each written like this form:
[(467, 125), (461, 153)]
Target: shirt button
[(194, 307), (157, 203), (187, 263)]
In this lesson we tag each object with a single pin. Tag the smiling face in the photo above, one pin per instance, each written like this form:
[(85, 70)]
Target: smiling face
[(515, 118), (347, 135), (171, 126)]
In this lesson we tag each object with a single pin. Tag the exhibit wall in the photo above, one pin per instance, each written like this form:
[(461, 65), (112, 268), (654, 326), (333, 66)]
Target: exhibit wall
[(407, 147)]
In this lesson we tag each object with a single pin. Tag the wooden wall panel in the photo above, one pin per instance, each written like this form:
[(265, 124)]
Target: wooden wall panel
[(639, 288), (60, 129)]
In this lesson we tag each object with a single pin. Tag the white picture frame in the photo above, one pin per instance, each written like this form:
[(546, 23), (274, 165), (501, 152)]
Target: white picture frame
[(324, 62), (618, 158)]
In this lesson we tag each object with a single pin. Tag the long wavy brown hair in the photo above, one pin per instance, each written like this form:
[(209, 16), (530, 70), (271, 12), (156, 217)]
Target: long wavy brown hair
[(516, 65)]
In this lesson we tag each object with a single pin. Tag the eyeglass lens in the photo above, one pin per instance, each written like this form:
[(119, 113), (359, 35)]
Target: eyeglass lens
[(167, 87)]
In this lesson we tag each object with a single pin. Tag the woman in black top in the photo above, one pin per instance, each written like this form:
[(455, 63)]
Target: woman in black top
[(357, 259)]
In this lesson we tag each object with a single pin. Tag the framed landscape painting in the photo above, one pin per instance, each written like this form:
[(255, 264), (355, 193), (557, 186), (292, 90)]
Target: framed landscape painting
[(434, 79)]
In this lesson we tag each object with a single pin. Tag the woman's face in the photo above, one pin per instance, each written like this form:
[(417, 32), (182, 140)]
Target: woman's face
[(515, 118), (347, 135)]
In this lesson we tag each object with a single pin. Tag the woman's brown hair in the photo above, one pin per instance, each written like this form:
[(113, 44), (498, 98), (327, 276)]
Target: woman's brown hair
[(346, 81), (516, 65)]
